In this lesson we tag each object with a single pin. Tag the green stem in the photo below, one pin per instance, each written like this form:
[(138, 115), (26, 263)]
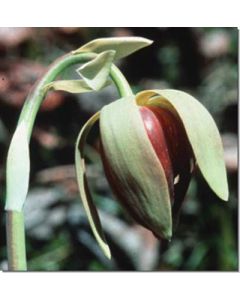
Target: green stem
[(15, 220), (36, 97), (16, 241), (120, 81)]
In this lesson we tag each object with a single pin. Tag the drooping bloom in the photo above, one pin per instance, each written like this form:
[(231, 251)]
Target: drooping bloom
[(150, 145), (171, 146)]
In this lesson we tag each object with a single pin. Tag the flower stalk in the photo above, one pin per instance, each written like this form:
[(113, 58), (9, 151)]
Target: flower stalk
[(16, 249)]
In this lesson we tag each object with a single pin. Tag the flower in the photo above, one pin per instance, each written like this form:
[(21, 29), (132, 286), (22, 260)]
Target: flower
[(150, 145), (173, 150)]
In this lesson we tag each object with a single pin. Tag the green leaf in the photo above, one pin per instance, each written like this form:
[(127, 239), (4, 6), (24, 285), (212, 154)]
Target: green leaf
[(141, 184), (87, 201), (18, 169), (72, 86), (123, 46), (202, 133), (96, 72)]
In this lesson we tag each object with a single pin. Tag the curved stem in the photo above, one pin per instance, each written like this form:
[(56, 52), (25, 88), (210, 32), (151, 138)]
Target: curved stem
[(15, 220), (120, 81), (36, 97)]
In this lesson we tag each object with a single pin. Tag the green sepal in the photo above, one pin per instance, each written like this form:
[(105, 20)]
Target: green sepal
[(71, 86), (85, 194), (95, 73), (123, 46), (202, 133), (18, 169), (137, 172)]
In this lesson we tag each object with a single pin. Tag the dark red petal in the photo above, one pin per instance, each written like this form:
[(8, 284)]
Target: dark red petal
[(179, 149), (157, 136)]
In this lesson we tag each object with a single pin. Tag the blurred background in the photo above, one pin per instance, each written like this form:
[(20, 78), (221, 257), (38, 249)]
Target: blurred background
[(201, 61)]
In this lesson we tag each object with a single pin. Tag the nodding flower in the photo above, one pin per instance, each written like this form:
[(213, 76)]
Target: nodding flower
[(150, 145)]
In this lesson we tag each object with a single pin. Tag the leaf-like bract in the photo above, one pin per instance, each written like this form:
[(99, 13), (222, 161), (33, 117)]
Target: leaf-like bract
[(71, 86), (85, 194), (123, 46), (18, 169), (95, 73)]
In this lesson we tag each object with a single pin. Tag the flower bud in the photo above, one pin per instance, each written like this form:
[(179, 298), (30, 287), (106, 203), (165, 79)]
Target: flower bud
[(169, 141), (150, 144), (148, 155)]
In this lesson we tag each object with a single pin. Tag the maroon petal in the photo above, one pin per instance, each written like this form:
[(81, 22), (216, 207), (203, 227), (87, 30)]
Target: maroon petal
[(158, 138), (169, 139)]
